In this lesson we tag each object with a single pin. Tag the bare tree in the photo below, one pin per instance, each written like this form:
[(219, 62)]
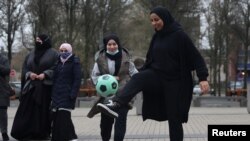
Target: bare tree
[(242, 30), (219, 17), (42, 16), (79, 22), (228, 24), (98, 17), (11, 15)]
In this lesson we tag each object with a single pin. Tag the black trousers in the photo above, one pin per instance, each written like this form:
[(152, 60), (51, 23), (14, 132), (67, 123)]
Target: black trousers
[(143, 81), (119, 127), (3, 119), (137, 83)]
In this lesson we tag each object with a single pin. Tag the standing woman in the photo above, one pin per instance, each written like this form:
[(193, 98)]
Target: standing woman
[(5, 93), (165, 79), (113, 60), (67, 81), (32, 119)]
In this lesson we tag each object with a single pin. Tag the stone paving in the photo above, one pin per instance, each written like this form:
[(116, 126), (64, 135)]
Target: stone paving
[(149, 130)]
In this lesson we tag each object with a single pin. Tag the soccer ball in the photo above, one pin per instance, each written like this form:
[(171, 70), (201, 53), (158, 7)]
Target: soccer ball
[(106, 85)]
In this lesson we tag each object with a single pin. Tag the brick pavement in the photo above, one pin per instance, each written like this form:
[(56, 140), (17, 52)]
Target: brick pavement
[(137, 130)]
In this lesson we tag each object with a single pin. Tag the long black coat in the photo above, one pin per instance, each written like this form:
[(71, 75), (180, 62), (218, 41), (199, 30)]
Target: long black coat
[(32, 119), (172, 56)]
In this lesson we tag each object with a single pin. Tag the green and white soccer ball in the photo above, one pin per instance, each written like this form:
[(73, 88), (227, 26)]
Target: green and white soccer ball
[(106, 85)]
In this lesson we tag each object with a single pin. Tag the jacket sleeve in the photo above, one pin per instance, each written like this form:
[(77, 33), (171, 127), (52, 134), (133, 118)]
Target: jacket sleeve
[(132, 69), (49, 73), (95, 73), (194, 59), (76, 78), (4, 66), (25, 72)]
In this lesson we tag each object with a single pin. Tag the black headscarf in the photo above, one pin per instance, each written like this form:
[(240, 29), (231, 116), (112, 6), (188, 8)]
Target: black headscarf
[(40, 49), (118, 56), (170, 24)]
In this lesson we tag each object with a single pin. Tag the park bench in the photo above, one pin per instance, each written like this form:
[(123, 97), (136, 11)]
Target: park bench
[(88, 89), (87, 93)]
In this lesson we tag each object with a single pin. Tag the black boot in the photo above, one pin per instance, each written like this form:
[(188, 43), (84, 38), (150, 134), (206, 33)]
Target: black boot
[(5, 137)]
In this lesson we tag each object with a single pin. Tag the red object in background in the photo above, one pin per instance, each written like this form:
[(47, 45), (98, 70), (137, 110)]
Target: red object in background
[(12, 73)]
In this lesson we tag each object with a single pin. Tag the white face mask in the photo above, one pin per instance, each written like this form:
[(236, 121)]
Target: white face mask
[(112, 53)]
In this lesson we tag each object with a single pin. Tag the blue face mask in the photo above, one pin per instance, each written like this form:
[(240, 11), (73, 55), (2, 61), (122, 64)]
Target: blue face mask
[(64, 55)]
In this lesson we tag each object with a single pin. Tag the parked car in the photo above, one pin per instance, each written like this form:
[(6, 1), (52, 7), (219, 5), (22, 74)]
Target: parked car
[(197, 90), (235, 88), (16, 86)]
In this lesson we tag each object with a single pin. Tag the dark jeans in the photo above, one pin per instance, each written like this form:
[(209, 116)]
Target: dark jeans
[(120, 125), (143, 81)]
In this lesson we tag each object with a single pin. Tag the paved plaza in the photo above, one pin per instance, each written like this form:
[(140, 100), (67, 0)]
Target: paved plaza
[(149, 130)]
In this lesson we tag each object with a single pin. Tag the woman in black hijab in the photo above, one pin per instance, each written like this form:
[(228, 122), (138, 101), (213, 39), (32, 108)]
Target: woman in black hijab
[(165, 78), (32, 120), (115, 60)]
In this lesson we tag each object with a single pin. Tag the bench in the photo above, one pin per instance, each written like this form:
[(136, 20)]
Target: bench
[(85, 101), (89, 91), (214, 101)]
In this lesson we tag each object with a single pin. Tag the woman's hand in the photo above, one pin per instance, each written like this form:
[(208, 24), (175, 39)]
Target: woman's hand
[(41, 76), (13, 97), (33, 76), (204, 87)]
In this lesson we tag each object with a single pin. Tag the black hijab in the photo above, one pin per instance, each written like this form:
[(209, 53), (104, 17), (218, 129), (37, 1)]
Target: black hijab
[(118, 56), (170, 25), (40, 49)]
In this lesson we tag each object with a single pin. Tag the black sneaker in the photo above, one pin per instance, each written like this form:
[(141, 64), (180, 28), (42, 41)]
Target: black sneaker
[(109, 108), (5, 137), (95, 110)]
